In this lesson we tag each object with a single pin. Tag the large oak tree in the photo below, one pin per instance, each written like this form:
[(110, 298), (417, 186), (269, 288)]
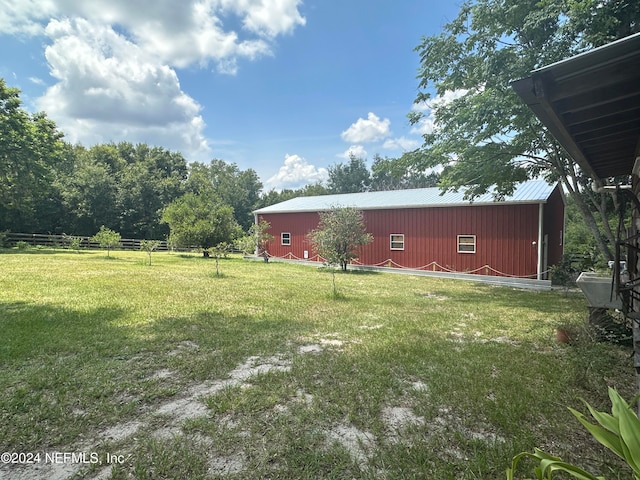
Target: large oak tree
[(475, 127), (30, 147)]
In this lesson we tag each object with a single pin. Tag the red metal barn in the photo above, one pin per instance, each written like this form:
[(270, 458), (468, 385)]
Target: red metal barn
[(520, 235)]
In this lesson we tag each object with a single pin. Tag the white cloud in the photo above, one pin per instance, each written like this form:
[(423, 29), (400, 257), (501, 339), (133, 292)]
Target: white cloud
[(401, 143), (267, 18), (115, 60), (357, 151), (372, 129), (24, 17), (178, 33), (110, 90), (295, 173), (36, 81)]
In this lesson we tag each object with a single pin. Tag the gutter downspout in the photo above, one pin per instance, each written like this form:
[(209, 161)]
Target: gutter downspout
[(540, 239)]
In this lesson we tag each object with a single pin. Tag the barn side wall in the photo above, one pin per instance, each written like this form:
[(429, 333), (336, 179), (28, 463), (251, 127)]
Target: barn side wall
[(505, 236)]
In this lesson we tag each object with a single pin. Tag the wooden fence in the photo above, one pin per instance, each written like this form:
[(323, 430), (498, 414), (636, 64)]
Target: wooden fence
[(64, 241)]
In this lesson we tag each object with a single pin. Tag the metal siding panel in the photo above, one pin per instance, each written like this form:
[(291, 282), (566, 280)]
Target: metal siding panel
[(503, 236), (298, 225)]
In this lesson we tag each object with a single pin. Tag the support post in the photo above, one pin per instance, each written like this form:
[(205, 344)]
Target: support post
[(540, 240)]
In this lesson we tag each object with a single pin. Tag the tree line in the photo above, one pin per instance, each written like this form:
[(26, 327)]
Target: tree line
[(48, 185)]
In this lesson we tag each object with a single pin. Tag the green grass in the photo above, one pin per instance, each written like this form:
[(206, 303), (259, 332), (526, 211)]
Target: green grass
[(107, 355)]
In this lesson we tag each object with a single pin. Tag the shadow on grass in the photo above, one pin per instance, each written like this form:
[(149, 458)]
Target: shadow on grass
[(30, 329), (39, 251), (349, 271), (547, 301)]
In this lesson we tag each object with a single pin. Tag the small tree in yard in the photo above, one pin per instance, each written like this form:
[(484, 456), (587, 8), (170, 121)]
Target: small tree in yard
[(220, 250), (149, 246), (339, 236), (107, 238), (74, 243), (257, 239)]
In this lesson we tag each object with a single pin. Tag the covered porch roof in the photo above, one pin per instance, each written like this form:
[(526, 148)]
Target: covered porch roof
[(591, 105)]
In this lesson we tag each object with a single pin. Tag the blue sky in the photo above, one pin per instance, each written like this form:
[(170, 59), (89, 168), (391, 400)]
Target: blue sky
[(285, 87)]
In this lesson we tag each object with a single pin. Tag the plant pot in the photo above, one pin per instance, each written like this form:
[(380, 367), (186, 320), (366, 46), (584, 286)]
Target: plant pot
[(563, 335)]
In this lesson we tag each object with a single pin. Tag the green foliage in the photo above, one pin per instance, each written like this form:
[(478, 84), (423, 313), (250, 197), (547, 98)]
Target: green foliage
[(565, 272), (22, 245), (47, 185), (400, 173), (3, 239), (200, 221), (246, 244), (149, 246), (150, 179), (236, 188), (89, 192), (107, 238), (260, 237), (548, 464), (272, 197), (350, 178), (30, 148), (579, 239), (619, 431), (340, 234), (74, 243), (221, 250), (477, 130)]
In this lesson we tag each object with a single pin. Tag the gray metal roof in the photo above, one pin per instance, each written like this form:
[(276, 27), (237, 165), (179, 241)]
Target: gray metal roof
[(535, 191)]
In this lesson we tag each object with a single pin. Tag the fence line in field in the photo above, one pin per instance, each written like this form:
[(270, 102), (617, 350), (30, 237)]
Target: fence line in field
[(58, 241)]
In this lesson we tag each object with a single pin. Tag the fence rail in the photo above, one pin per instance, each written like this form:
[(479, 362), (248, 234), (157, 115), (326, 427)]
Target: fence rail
[(62, 241)]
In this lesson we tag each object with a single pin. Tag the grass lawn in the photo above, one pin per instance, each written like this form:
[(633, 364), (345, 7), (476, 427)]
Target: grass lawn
[(112, 368)]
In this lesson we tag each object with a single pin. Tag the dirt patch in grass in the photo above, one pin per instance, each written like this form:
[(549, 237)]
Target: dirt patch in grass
[(227, 465), (399, 418), (184, 347), (165, 422), (311, 348), (359, 444), (121, 431), (188, 406)]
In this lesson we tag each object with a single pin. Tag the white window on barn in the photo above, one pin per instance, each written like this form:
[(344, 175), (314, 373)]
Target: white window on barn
[(396, 241), (285, 238), (466, 244)]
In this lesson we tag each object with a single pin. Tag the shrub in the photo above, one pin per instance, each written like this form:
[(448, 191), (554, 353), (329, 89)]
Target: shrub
[(4, 239), (564, 273)]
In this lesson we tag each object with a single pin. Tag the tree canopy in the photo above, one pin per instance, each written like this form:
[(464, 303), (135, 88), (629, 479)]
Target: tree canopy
[(200, 220), (350, 177), (239, 189), (30, 146), (340, 234), (476, 128)]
